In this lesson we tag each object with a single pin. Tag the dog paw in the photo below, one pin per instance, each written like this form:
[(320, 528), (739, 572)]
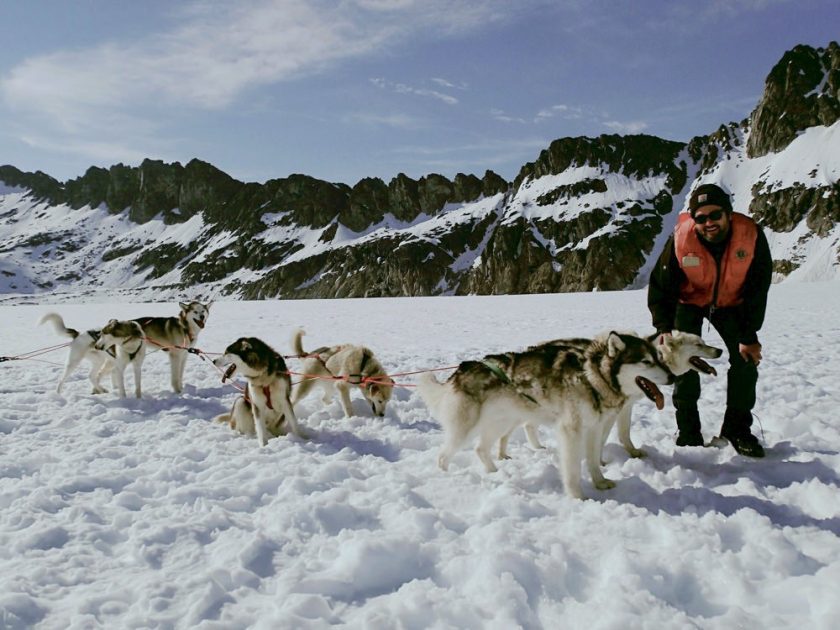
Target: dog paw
[(605, 484)]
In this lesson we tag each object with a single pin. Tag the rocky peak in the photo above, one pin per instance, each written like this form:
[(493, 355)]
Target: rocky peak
[(707, 151), (40, 185), (631, 155), (801, 91)]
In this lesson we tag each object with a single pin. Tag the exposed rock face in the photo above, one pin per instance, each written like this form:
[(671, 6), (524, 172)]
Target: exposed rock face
[(585, 215), (782, 210), (801, 91)]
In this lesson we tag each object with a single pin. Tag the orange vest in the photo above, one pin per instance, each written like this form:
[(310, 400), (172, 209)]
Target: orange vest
[(701, 271)]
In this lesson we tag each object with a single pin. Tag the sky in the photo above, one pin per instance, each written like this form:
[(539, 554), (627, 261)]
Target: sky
[(346, 89)]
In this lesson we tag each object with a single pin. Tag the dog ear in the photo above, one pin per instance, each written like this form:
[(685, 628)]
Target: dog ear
[(184, 306), (614, 344)]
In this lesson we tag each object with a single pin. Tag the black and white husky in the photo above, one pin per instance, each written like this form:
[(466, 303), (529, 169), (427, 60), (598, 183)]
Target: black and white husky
[(122, 346), (577, 392), (174, 335), (265, 407), (678, 351), (340, 367)]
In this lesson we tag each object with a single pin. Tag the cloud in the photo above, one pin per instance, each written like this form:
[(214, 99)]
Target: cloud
[(631, 127), (563, 111), (398, 121), (211, 53), (449, 84), (402, 88), (501, 116)]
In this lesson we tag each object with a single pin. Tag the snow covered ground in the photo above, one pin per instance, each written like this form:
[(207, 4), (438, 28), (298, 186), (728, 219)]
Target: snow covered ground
[(127, 514)]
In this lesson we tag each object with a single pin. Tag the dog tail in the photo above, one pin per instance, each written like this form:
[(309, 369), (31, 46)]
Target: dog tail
[(297, 343), (58, 323), (431, 391), (222, 419)]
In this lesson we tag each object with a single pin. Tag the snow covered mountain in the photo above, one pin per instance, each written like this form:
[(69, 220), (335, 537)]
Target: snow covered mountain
[(587, 214)]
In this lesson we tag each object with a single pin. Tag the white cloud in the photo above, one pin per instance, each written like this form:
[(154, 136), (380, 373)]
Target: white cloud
[(402, 88), (448, 84), (563, 111), (398, 121), (631, 127), (501, 116)]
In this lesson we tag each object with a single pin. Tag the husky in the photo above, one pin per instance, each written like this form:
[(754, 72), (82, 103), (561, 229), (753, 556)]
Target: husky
[(576, 392), (125, 342), (81, 348), (339, 367), (265, 406), (679, 352), (176, 335)]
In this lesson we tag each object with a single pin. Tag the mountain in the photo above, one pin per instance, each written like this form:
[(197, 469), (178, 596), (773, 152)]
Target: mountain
[(587, 214)]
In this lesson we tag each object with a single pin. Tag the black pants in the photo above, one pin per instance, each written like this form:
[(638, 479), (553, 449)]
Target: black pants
[(741, 378)]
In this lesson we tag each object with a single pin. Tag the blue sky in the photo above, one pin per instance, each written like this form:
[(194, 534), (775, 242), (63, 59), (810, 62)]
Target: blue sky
[(347, 89)]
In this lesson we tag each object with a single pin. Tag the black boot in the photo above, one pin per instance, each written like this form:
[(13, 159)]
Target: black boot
[(736, 429), (688, 423)]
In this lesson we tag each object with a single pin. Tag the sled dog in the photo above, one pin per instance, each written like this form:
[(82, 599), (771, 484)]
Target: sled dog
[(174, 335), (81, 348), (354, 365), (679, 352), (575, 392), (265, 406), (125, 342)]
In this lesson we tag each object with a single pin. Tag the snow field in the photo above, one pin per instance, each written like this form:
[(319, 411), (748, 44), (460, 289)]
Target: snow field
[(141, 513)]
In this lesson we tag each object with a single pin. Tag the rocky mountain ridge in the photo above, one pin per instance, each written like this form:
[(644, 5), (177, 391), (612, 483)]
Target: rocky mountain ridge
[(587, 214)]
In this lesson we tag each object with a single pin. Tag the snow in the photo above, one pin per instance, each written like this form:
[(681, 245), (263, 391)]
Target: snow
[(142, 513), (620, 189)]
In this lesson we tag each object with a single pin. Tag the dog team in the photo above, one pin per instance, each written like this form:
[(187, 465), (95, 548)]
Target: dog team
[(580, 388)]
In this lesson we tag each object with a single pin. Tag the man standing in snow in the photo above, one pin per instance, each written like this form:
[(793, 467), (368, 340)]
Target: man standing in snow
[(716, 266)]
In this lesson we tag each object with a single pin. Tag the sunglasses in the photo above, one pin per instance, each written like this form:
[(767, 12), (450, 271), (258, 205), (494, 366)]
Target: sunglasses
[(714, 215)]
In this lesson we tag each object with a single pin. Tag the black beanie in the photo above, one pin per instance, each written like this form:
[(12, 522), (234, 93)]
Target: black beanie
[(709, 195)]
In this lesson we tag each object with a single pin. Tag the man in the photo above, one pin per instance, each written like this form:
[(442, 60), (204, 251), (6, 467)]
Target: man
[(716, 266)]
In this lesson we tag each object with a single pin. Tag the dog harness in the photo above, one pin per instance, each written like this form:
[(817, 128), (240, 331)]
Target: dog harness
[(502, 376), (266, 390)]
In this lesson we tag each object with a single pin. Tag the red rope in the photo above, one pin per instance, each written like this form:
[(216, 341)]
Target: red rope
[(35, 353)]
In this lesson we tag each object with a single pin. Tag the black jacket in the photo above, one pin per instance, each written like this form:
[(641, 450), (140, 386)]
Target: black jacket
[(666, 278)]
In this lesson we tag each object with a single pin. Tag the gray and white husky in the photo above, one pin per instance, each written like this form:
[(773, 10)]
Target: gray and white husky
[(265, 407), (81, 348), (125, 342), (340, 367), (109, 349), (678, 351), (575, 392), (174, 335)]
